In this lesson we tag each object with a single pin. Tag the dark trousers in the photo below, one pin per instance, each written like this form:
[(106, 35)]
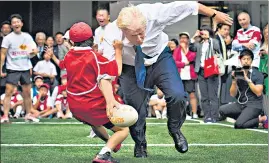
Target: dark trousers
[(165, 76), (246, 115), (209, 88)]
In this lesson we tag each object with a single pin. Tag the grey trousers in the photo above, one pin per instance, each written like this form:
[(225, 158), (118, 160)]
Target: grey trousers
[(209, 89)]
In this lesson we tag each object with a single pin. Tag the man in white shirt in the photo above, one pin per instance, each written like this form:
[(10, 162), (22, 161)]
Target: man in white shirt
[(103, 19), (17, 46), (141, 30)]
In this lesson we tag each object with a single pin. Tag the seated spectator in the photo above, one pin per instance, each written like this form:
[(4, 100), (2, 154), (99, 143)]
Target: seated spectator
[(58, 89), (42, 105), (47, 70), (248, 37), (15, 103), (158, 104), (62, 106), (184, 59), (38, 82), (247, 87)]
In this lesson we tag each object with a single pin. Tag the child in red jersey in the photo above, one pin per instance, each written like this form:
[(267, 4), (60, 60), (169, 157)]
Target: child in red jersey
[(89, 86)]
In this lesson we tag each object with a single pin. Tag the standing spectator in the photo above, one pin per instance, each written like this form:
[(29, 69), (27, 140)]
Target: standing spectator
[(40, 39), (209, 87), (47, 70), (248, 37), (103, 19), (62, 106), (42, 105), (59, 50), (173, 44), (158, 104), (264, 67), (16, 47), (222, 34), (5, 30), (15, 103), (247, 88), (184, 59), (50, 41)]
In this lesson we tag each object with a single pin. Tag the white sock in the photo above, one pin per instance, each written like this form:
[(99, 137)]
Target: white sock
[(164, 113), (105, 150), (158, 114), (18, 110)]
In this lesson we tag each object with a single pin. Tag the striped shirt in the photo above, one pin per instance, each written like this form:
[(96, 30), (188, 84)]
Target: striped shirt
[(250, 35)]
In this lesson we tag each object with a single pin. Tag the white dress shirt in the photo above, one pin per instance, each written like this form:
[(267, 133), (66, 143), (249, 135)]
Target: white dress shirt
[(158, 16)]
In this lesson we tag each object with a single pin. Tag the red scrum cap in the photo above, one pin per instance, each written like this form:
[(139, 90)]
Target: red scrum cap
[(80, 32)]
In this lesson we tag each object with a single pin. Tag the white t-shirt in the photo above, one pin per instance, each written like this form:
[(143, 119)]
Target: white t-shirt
[(100, 40), (185, 71), (45, 67), (19, 46), (18, 97), (205, 46)]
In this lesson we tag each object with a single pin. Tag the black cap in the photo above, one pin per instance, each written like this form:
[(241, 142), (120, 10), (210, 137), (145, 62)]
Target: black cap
[(246, 52)]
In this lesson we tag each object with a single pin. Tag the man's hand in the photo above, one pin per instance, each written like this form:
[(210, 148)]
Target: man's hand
[(249, 45), (233, 76), (49, 51), (95, 47), (34, 52), (118, 45), (246, 76), (223, 18), (110, 107), (3, 75)]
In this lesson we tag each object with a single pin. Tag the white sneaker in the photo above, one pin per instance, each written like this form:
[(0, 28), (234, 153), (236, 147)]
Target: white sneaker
[(195, 116), (164, 116), (158, 114), (92, 134), (188, 117), (30, 118)]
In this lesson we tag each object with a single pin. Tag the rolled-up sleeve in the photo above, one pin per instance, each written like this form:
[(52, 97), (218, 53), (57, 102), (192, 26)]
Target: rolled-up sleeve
[(170, 13)]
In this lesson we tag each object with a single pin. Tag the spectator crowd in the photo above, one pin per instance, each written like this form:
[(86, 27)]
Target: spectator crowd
[(213, 97)]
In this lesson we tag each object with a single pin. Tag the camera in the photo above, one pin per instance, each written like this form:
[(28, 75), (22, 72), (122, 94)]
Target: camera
[(238, 71)]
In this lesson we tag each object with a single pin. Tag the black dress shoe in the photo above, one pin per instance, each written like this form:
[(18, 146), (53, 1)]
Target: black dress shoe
[(181, 143), (140, 151)]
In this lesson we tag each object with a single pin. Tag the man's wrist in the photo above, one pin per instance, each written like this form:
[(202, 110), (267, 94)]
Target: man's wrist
[(214, 15), (249, 81)]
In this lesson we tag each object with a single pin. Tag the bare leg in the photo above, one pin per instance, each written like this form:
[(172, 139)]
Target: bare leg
[(26, 94), (8, 94), (118, 137), (193, 102)]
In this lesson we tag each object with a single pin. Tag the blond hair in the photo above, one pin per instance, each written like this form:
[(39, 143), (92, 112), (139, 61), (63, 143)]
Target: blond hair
[(128, 14)]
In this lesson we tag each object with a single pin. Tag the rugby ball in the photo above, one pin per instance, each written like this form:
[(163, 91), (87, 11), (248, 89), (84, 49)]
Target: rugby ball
[(124, 116)]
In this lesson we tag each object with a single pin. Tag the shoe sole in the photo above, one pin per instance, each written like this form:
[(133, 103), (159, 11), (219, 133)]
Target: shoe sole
[(101, 161)]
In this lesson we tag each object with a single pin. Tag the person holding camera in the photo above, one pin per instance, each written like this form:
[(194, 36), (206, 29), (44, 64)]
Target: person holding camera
[(247, 88)]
